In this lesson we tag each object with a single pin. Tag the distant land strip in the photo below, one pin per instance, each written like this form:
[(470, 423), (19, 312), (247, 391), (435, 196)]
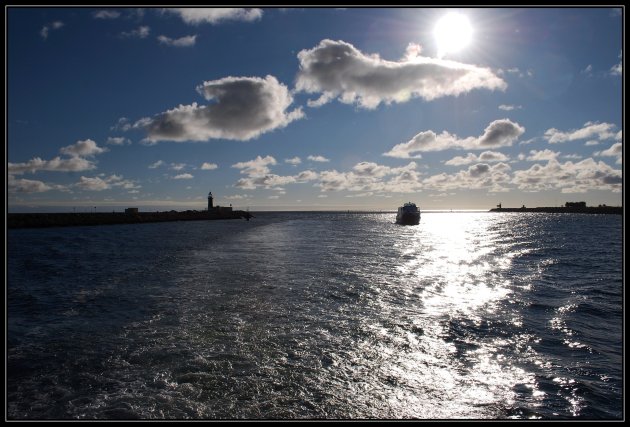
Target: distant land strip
[(37, 220), (617, 210)]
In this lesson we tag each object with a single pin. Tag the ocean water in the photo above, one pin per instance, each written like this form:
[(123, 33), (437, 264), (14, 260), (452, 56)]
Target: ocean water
[(319, 316)]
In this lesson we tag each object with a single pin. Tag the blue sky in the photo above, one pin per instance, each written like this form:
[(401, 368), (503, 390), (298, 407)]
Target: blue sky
[(312, 108)]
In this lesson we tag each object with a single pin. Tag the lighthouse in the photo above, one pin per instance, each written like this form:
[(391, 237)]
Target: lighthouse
[(210, 205)]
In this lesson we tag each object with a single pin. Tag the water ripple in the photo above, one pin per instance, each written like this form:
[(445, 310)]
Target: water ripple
[(318, 316)]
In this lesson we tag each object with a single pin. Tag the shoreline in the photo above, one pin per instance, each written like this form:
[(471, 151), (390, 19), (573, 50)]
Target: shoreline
[(40, 220), (67, 219), (609, 210)]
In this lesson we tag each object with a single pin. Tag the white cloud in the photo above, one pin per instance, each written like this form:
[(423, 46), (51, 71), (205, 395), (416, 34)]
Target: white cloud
[(196, 16), (569, 177), (374, 169), (412, 51), (238, 197), (156, 164), (529, 141), (122, 125), (259, 175), (30, 186), (106, 14), (86, 148), (493, 178), (369, 176), (209, 166), (293, 161), (367, 194), (99, 184), (459, 160), (325, 98), (271, 181), (338, 69), (486, 156), (118, 141), (183, 176), (305, 176), (535, 156), (615, 150), (180, 42), (493, 156), (597, 130), (257, 167), (52, 26), (139, 124), (142, 32), (516, 71), (147, 142), (318, 159), (243, 108), (92, 184), (74, 164), (499, 133), (617, 69), (177, 166), (505, 107)]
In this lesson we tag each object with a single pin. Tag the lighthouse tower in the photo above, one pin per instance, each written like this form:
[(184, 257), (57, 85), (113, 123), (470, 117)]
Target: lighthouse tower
[(210, 205)]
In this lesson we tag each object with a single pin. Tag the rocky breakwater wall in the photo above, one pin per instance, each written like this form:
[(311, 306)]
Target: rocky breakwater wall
[(36, 220), (616, 210)]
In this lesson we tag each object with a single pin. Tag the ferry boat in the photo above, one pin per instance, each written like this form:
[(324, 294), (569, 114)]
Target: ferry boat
[(409, 214)]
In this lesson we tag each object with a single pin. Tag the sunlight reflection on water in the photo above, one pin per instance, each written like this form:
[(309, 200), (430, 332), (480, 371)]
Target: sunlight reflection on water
[(456, 264)]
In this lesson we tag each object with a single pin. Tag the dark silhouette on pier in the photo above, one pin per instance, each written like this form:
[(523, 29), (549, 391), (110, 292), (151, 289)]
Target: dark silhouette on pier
[(130, 216), (569, 207)]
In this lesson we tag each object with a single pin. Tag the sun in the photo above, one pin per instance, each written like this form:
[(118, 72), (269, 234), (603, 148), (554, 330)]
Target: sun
[(452, 33)]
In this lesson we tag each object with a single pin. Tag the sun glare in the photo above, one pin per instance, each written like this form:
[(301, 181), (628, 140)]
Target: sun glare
[(453, 33)]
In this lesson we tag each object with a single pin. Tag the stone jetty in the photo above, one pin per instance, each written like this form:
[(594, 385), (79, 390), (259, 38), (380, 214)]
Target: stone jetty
[(131, 216)]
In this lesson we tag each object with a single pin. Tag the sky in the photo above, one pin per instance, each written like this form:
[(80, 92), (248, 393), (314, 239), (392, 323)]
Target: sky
[(312, 108)]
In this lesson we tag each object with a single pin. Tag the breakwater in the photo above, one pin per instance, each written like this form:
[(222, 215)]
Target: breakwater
[(617, 210), (36, 220)]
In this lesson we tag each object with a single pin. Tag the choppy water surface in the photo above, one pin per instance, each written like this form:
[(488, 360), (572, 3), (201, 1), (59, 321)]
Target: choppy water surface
[(319, 316)]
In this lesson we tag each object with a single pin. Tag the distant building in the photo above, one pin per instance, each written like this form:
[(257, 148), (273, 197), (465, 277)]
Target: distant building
[(131, 211), (217, 209), (575, 205), (223, 209)]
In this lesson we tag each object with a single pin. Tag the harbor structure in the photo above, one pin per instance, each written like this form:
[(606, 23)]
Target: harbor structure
[(221, 210), (569, 207), (131, 215)]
